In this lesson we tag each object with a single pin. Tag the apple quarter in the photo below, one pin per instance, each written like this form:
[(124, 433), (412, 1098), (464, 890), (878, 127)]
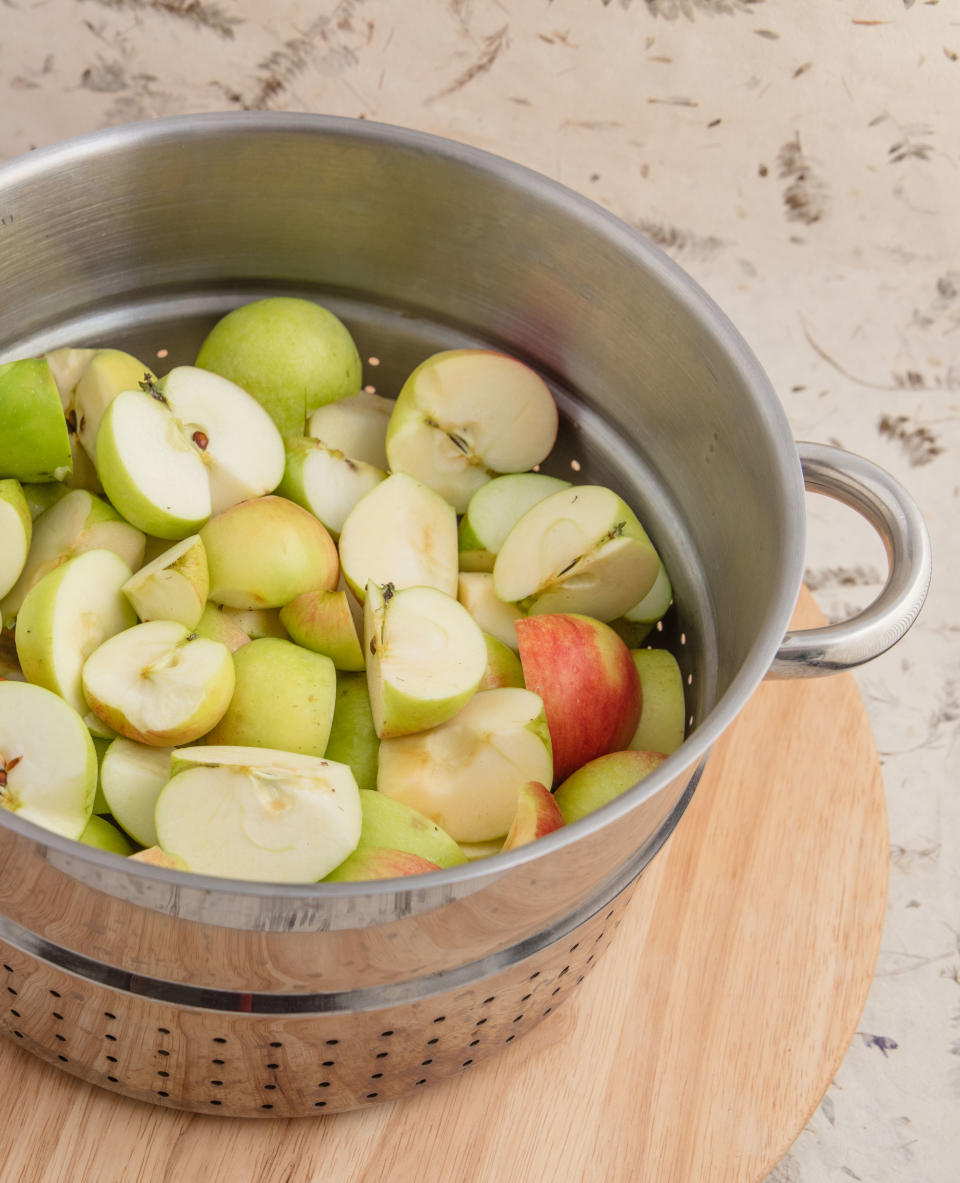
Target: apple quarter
[(173, 587), (16, 530), (355, 426), (131, 776)]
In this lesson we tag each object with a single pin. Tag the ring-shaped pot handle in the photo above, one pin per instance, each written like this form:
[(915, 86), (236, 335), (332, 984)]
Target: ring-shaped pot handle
[(893, 513)]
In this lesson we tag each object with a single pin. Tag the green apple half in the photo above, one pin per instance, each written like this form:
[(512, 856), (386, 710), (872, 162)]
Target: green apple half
[(495, 509), (325, 481), (401, 533), (465, 415), (16, 530), (77, 523), (291, 354), (466, 774), (34, 445), (48, 766), (183, 448), (265, 552), (252, 813), (425, 656), (581, 550), (66, 616), (174, 586), (355, 426), (283, 699), (159, 684), (132, 776)]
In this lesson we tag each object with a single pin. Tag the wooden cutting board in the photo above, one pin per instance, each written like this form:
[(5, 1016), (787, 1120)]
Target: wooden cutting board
[(694, 1053)]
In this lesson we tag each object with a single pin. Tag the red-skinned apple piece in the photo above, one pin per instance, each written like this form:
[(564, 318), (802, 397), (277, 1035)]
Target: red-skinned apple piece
[(377, 862), (588, 682), (537, 814)]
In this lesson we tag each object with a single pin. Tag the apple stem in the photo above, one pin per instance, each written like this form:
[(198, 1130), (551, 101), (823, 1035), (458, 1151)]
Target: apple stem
[(148, 386)]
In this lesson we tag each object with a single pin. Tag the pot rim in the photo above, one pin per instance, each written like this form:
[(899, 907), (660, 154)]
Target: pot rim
[(698, 304)]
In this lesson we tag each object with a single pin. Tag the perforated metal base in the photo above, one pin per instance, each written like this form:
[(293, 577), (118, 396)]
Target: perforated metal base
[(278, 1065)]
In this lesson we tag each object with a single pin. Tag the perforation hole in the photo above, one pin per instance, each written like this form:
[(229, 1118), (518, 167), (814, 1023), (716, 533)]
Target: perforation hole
[(10, 990), (332, 1042), (112, 1038), (112, 1060), (8, 968), (269, 1087), (382, 1055), (161, 1093), (61, 1038), (57, 1016), (162, 1073), (55, 993), (385, 1034), (162, 1051), (64, 1059), (219, 1039), (272, 1066), (266, 1106), (319, 1104), (164, 1030), (218, 1062), (15, 1013), (276, 1044), (213, 1102), (432, 1041), (108, 1015), (330, 1063), (423, 1080), (113, 1079), (370, 1096)]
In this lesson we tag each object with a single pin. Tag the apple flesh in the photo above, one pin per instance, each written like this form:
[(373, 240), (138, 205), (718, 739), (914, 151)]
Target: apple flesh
[(16, 530), (174, 586), (109, 372), (291, 354), (355, 426), (426, 657), (353, 738), (662, 719), (283, 699), (476, 593), (326, 482), (379, 862), (466, 774), (159, 684), (537, 815), (322, 621), (465, 415), (34, 445), (131, 777), (588, 682), (265, 552), (256, 814), (580, 550), (48, 766), (254, 622), (603, 780), (495, 509), (77, 523), (218, 624), (155, 857), (400, 533), (474, 851), (66, 616)]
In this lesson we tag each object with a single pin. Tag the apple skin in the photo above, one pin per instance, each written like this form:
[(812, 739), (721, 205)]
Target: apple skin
[(379, 862), (34, 444), (603, 780), (393, 825), (353, 738), (105, 836), (537, 814), (265, 552), (662, 719), (322, 621), (503, 666), (588, 682), (291, 354), (283, 699), (217, 624), (16, 530)]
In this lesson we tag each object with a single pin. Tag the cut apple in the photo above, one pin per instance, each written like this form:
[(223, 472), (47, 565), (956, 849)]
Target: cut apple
[(326, 482), (105, 836), (108, 373), (174, 586), (602, 780), (219, 624), (16, 530), (183, 448), (580, 550), (476, 593), (495, 509), (389, 824), (474, 851), (353, 738), (132, 776), (466, 774), (425, 656), (655, 603), (66, 616), (77, 523), (283, 699), (379, 862), (662, 719), (537, 815), (40, 498), (252, 813), (355, 426), (67, 365), (155, 857), (159, 684), (266, 552), (400, 533), (48, 766), (503, 666), (34, 445), (589, 685), (465, 415), (322, 621)]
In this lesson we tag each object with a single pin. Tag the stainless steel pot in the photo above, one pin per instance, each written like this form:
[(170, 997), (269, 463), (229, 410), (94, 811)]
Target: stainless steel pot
[(256, 999)]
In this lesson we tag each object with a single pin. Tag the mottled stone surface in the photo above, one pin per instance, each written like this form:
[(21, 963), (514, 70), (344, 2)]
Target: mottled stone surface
[(801, 161)]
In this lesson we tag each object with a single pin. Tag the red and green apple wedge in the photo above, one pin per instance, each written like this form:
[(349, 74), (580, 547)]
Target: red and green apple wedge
[(217, 623), (537, 815), (323, 621), (425, 654), (253, 813), (503, 666), (379, 862), (465, 415), (603, 780), (466, 774)]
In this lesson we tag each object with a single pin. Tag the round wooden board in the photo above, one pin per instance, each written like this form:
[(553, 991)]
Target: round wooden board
[(694, 1052)]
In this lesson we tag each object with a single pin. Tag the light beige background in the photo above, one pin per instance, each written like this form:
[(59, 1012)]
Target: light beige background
[(801, 160)]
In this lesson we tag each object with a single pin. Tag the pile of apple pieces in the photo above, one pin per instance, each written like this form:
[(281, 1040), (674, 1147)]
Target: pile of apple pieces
[(251, 639)]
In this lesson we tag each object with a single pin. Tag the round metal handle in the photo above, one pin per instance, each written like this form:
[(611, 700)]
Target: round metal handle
[(892, 512)]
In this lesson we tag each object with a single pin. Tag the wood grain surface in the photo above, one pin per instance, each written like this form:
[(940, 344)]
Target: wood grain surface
[(694, 1053)]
